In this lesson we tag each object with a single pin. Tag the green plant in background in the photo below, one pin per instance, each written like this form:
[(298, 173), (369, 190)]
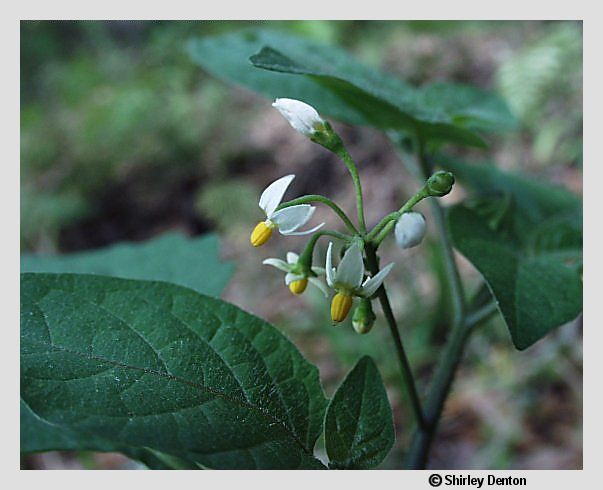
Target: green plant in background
[(178, 379), (529, 80)]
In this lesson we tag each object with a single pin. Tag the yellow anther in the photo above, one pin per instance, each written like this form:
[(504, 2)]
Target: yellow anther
[(260, 234), (340, 307), (298, 287)]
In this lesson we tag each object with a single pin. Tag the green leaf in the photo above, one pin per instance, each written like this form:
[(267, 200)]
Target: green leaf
[(341, 87), (476, 109), (38, 435), (537, 199), (359, 430), (189, 262), (384, 102), (155, 365), (525, 238), (227, 58)]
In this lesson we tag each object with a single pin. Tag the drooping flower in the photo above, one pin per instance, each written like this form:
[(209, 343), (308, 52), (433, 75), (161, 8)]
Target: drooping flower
[(347, 280), (410, 229), (301, 116), (287, 220), (296, 278)]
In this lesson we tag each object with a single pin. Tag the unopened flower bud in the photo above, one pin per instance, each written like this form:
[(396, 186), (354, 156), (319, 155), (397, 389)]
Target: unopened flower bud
[(301, 116), (364, 317), (410, 229), (306, 120), (440, 183)]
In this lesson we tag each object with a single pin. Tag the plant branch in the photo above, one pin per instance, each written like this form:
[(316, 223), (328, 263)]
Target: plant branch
[(452, 272), (450, 358), (351, 165), (381, 229), (310, 198), (408, 380), (481, 314)]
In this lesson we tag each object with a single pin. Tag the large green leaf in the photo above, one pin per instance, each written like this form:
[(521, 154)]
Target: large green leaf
[(341, 87), (359, 430), (190, 262), (150, 364), (438, 112), (525, 238), (536, 199), (38, 435)]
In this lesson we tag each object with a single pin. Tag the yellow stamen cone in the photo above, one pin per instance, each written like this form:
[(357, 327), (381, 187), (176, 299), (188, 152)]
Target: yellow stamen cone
[(260, 234), (340, 307), (298, 287)]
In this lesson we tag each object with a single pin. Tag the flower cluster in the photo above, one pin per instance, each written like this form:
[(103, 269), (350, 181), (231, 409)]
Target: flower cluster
[(349, 279)]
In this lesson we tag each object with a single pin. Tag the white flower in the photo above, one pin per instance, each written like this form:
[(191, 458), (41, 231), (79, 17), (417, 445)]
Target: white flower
[(302, 117), (410, 229), (288, 219), (347, 277), (295, 277), (347, 280)]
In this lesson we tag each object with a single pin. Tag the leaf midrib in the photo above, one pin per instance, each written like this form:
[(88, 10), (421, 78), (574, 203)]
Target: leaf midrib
[(290, 429)]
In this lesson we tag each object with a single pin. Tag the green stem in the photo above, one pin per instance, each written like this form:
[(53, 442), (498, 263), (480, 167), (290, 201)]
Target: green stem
[(442, 383), (310, 198), (481, 314), (306, 256), (450, 358), (382, 229), (379, 226), (408, 381), (351, 165), (438, 392), (452, 272)]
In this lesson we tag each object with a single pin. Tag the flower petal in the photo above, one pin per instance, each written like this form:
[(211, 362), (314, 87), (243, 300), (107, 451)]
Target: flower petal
[(273, 194), (329, 265), (292, 257), (319, 271), (291, 218), (278, 263), (320, 285), (290, 277), (372, 284), (350, 271), (305, 232), (410, 229), (301, 116)]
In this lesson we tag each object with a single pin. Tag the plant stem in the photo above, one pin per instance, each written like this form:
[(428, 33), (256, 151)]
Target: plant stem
[(306, 256), (310, 198), (438, 392), (441, 384), (351, 165), (460, 329), (478, 316), (452, 272), (408, 381), (381, 229)]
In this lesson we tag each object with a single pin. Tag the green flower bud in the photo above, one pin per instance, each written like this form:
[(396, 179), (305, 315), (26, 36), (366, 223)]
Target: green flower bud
[(440, 183), (364, 317)]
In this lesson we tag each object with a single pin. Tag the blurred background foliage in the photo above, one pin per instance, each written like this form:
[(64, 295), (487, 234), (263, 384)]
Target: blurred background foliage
[(123, 137)]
